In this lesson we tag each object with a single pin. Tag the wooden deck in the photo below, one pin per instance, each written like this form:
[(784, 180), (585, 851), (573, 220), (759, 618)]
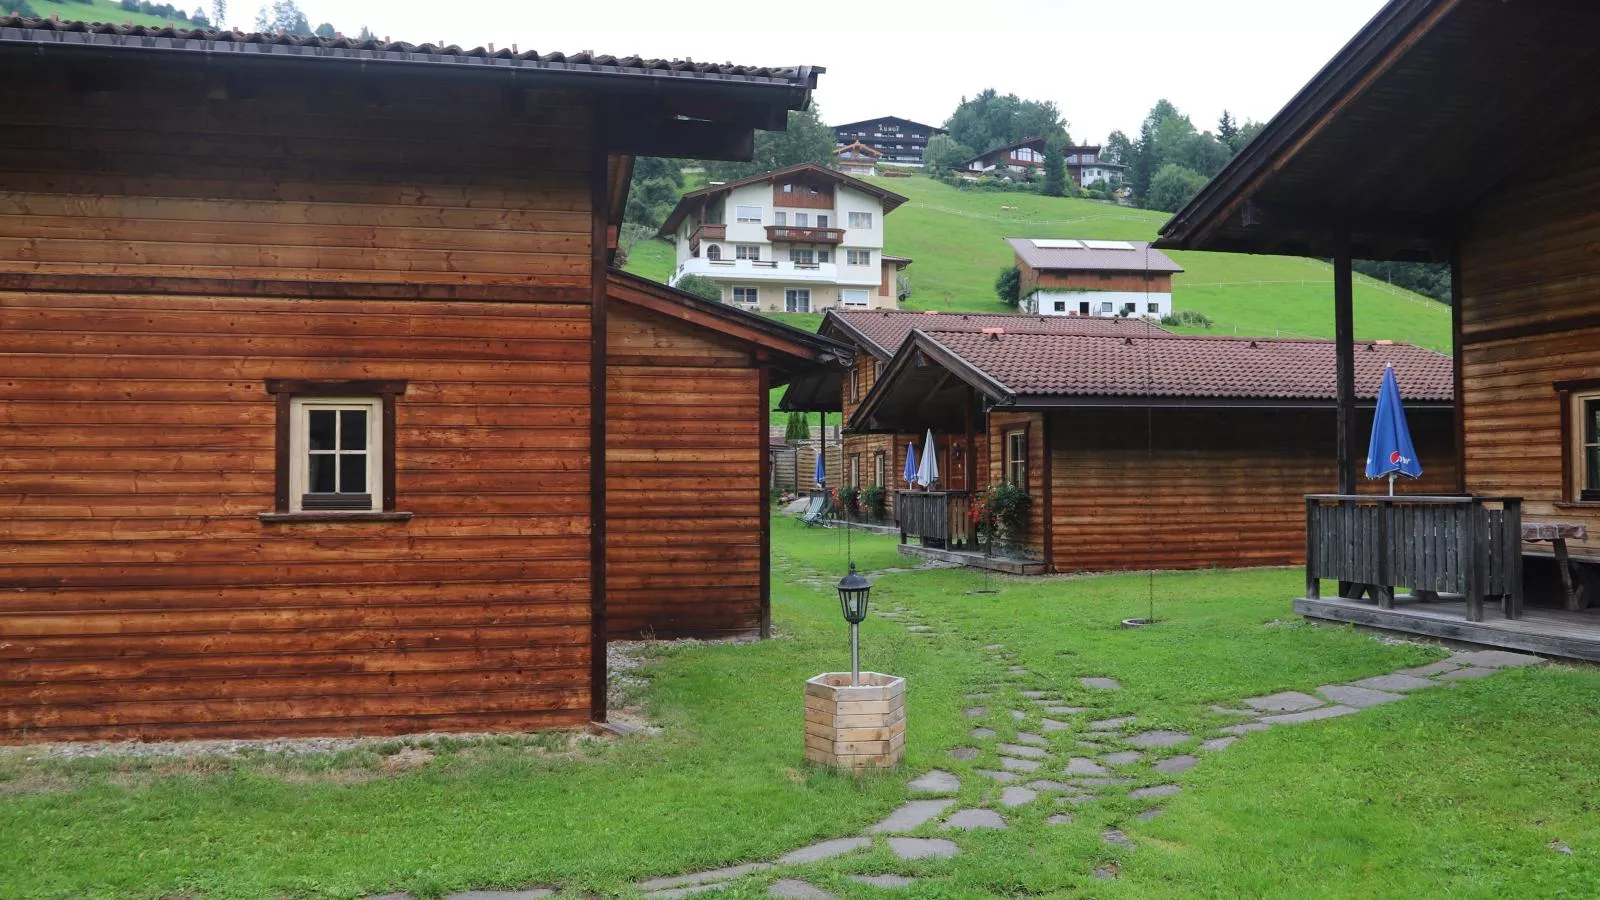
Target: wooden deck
[(1551, 632), (1007, 564)]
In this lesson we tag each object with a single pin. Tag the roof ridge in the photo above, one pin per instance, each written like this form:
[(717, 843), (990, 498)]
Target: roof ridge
[(1163, 334)]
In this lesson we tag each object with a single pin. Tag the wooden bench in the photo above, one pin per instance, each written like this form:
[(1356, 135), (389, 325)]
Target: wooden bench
[(1557, 533)]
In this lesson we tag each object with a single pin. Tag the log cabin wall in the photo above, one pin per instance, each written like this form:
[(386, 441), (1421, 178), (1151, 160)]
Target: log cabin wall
[(1221, 488), (1530, 288), (1000, 423), (685, 440), (159, 233), (854, 387)]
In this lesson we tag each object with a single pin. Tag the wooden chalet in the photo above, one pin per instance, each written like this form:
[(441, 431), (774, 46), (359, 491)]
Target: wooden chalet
[(1145, 450), (325, 415), (874, 337), (1382, 157)]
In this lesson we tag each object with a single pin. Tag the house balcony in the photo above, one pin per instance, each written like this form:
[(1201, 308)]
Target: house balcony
[(941, 521), (760, 270), (802, 235), (708, 230)]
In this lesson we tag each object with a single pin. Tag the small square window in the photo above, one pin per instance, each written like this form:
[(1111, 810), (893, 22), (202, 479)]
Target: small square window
[(747, 296), (335, 446), (1153, 308), (1061, 306)]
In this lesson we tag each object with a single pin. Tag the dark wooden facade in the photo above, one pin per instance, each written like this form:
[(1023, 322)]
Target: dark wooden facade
[(179, 231)]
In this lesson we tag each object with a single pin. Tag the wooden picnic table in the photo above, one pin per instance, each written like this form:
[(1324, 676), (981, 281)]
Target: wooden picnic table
[(1557, 533)]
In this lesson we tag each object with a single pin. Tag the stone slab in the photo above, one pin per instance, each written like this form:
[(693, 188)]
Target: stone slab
[(910, 815), (1053, 725), (1467, 674), (1018, 714), (401, 896), (1079, 765), (1149, 739), (691, 890), (1435, 668), (1122, 758), (1024, 737), (1359, 697), (937, 782), (1498, 659), (965, 753), (793, 887), (1230, 711), (1244, 728), (1395, 682), (1111, 724), (1018, 670), (1022, 750), (1160, 790), (1310, 715), (727, 873), (981, 732), (1116, 838), (1221, 743), (1019, 765), (972, 819), (1065, 710), (1001, 777), (1095, 784), (1150, 813), (982, 695), (1039, 695), (923, 848), (1172, 765), (976, 712), (1286, 701), (1092, 746), (1059, 819), (1014, 797), (994, 646), (883, 881), (528, 894), (1100, 683), (1045, 785), (919, 628), (824, 850)]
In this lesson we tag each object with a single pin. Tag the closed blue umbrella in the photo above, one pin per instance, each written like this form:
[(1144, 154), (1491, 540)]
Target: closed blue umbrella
[(1390, 450), (910, 474), (822, 472)]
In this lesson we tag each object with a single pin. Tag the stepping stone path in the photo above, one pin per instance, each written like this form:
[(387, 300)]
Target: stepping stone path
[(1111, 724), (1065, 710), (1123, 758), (1149, 739), (1221, 743), (982, 732), (1039, 695), (824, 850), (1093, 783), (977, 712), (1022, 750), (1310, 715), (1150, 813), (1100, 683), (1288, 701), (1024, 737), (964, 753), (1059, 819), (1001, 777), (1079, 765), (1172, 765), (923, 848), (970, 819), (1116, 838), (1014, 797), (936, 782), (1047, 786), (1464, 674), (1018, 714), (1053, 725), (1358, 697), (790, 887), (1160, 790), (1395, 682), (1019, 765), (499, 895), (883, 881), (911, 815)]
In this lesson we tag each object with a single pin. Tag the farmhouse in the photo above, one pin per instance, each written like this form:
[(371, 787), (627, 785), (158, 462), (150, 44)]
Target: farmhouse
[(857, 159), (1381, 157), (1145, 450), (1085, 167), (326, 415), (900, 142), (801, 239), (1064, 277), (1021, 158)]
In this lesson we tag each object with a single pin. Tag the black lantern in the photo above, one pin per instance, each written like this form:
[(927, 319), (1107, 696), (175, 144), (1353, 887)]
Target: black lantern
[(853, 593)]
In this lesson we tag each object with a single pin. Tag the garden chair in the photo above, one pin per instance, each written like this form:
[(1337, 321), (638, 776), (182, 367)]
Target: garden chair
[(814, 513)]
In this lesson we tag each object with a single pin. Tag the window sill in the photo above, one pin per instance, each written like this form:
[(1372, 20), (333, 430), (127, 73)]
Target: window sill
[(1577, 504), (285, 518)]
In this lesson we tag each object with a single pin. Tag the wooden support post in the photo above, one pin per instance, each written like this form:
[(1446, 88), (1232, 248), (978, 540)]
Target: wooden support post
[(1459, 408), (598, 625), (1471, 555), (1313, 580), (764, 501), (971, 474), (1345, 368)]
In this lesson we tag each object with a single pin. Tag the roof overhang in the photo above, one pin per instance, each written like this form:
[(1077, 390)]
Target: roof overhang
[(1431, 108), (925, 386)]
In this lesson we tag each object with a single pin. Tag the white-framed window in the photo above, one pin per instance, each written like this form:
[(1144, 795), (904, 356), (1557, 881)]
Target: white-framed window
[(824, 256), (802, 220), (336, 454), (858, 257), (747, 296), (1106, 308), (859, 297), (1016, 470), (879, 469), (1584, 428), (797, 300), (780, 217), (747, 251), (822, 220), (1152, 308), (861, 220), (747, 215), (713, 251), (1061, 306), (803, 257)]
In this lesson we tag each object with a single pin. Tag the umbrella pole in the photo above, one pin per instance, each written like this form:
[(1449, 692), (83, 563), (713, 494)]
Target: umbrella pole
[(1391, 484)]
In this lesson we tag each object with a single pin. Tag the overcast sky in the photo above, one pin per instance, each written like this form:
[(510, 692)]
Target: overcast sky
[(1104, 62)]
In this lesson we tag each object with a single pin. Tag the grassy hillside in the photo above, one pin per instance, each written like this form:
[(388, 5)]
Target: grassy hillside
[(104, 11), (956, 236)]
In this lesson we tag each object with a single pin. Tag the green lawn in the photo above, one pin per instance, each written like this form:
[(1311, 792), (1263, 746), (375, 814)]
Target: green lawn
[(1455, 792), (103, 11)]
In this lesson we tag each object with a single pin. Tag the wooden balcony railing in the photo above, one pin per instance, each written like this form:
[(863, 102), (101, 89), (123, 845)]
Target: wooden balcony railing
[(936, 518), (1470, 546), (797, 234), (709, 231)]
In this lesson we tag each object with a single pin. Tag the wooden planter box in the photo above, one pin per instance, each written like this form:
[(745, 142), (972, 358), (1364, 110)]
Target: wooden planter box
[(859, 727)]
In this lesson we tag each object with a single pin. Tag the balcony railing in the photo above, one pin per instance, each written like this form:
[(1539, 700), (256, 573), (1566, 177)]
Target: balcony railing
[(768, 270), (708, 230), (800, 234), (1470, 546), (936, 518)]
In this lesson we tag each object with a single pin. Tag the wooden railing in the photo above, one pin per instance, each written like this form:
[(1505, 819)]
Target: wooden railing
[(708, 230), (936, 518), (804, 234), (1470, 546)]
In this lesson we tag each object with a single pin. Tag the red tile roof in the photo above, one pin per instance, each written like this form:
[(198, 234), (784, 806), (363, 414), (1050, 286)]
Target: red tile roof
[(1091, 255), (1033, 363), (888, 329), (15, 29)]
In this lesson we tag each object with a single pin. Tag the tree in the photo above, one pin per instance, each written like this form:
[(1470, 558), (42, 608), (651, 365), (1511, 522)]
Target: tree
[(1228, 131), (366, 34), (200, 18), (1008, 286), (945, 153), (219, 12), (1172, 187), (1055, 170), (990, 120), (656, 186), (700, 286), (1118, 149), (797, 428), (808, 140), (284, 16), (326, 30)]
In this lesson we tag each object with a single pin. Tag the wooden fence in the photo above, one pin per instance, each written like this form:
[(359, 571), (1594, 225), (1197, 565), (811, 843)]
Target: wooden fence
[(936, 518)]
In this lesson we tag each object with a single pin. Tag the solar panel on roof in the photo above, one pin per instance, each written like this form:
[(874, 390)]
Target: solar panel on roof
[(1108, 245), (1054, 244)]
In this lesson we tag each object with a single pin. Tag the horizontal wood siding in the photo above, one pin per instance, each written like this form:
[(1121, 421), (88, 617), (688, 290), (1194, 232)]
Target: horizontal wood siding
[(684, 498), (1000, 423), (1530, 318), (1219, 489)]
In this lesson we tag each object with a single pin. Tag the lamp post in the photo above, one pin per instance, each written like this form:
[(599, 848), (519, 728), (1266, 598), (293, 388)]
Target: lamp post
[(853, 592)]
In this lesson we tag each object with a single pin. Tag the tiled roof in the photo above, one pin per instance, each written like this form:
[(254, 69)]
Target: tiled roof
[(888, 329), (891, 200), (15, 29), (1035, 363), (1138, 257)]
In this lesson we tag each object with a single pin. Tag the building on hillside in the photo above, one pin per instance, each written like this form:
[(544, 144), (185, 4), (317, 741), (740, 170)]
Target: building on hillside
[(874, 338), (1068, 277), (1381, 157), (1142, 451), (1085, 167), (801, 239), (857, 159), (901, 142), (384, 447), (1025, 157)]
